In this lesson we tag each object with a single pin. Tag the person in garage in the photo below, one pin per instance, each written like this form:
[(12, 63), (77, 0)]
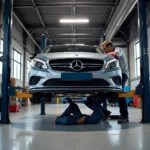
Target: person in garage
[(118, 53), (73, 116)]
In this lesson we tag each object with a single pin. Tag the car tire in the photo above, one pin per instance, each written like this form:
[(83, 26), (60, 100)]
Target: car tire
[(112, 98), (36, 99)]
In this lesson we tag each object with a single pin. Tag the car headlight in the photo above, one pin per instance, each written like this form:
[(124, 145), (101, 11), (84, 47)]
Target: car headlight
[(112, 64), (38, 64)]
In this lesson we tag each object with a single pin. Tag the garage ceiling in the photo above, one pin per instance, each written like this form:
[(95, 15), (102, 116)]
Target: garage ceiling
[(42, 16)]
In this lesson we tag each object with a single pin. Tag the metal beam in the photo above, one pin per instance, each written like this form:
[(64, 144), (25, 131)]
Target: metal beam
[(65, 38), (73, 15), (116, 41), (57, 27), (60, 6), (112, 12), (52, 28), (68, 15), (19, 21), (68, 4), (42, 22), (120, 14)]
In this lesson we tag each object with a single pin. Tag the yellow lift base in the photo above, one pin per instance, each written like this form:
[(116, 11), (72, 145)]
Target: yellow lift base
[(120, 95), (23, 95), (127, 94)]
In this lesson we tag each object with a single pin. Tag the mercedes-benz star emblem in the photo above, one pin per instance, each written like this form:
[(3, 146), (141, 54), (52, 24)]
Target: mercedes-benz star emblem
[(76, 65)]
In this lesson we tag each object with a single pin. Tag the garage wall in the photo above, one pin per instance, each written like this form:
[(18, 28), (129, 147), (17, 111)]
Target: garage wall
[(30, 46), (17, 32), (133, 38), (17, 43)]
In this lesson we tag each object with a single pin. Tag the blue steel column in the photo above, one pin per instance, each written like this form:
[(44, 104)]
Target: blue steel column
[(144, 61), (43, 106), (43, 98), (6, 61), (43, 42)]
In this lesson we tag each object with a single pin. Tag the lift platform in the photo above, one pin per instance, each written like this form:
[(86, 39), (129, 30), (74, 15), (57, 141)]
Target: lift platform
[(127, 94), (23, 95)]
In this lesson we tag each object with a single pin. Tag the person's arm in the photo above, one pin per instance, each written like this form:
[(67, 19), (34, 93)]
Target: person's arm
[(117, 53)]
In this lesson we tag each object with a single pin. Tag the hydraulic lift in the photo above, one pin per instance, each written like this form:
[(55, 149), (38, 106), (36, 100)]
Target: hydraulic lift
[(142, 89)]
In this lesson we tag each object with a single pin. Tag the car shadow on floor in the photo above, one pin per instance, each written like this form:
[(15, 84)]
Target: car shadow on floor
[(46, 123)]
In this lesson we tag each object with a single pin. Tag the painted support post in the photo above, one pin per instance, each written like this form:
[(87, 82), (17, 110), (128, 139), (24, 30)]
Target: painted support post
[(43, 106), (144, 61), (6, 61), (43, 42), (43, 98)]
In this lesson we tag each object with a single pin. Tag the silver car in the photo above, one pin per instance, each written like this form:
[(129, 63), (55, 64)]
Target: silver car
[(73, 70)]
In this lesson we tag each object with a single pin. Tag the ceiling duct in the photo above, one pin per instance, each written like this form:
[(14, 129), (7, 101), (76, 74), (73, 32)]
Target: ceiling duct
[(121, 13)]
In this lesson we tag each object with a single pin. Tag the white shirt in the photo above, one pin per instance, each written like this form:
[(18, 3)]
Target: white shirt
[(122, 61)]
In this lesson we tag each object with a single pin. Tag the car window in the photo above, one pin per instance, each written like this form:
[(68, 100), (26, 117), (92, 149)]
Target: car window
[(72, 48)]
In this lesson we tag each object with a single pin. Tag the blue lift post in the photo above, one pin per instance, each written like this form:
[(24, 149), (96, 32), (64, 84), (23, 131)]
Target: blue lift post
[(43, 98), (43, 42), (43, 106), (6, 61), (144, 83)]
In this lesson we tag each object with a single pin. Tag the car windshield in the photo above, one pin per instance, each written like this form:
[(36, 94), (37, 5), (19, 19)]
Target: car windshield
[(72, 48)]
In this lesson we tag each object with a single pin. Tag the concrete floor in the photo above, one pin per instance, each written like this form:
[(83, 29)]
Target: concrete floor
[(30, 131)]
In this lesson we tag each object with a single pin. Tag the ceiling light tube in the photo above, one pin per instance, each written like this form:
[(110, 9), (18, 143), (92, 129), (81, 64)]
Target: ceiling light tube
[(71, 34), (76, 44), (74, 20)]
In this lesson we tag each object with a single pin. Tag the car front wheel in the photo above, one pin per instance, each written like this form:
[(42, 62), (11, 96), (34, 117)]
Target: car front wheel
[(36, 98)]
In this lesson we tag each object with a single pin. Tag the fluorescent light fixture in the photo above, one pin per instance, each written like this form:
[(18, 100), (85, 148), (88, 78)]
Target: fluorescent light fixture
[(76, 44), (72, 34), (74, 20)]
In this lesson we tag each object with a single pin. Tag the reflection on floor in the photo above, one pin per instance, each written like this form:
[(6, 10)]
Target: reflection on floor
[(30, 131)]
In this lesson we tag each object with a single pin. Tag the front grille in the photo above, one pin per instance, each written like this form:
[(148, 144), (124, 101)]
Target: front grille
[(85, 65), (59, 82), (117, 80), (34, 80)]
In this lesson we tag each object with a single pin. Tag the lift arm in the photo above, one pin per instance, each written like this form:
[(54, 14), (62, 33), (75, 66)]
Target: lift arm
[(127, 94), (23, 95)]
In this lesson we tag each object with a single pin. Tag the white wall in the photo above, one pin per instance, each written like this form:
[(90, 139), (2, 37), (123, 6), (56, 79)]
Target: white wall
[(30, 46), (27, 58), (133, 79), (131, 58), (17, 31), (17, 43)]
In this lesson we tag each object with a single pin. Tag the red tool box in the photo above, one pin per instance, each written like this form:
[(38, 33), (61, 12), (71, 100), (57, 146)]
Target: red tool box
[(14, 108), (135, 101)]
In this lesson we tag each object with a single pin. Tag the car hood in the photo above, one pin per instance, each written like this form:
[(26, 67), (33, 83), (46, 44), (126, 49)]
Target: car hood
[(74, 55)]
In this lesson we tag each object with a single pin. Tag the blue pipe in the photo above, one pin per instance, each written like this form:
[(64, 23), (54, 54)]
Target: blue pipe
[(43, 42)]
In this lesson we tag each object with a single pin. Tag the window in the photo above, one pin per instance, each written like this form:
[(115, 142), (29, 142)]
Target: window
[(28, 69), (16, 62), (1, 53), (137, 59)]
